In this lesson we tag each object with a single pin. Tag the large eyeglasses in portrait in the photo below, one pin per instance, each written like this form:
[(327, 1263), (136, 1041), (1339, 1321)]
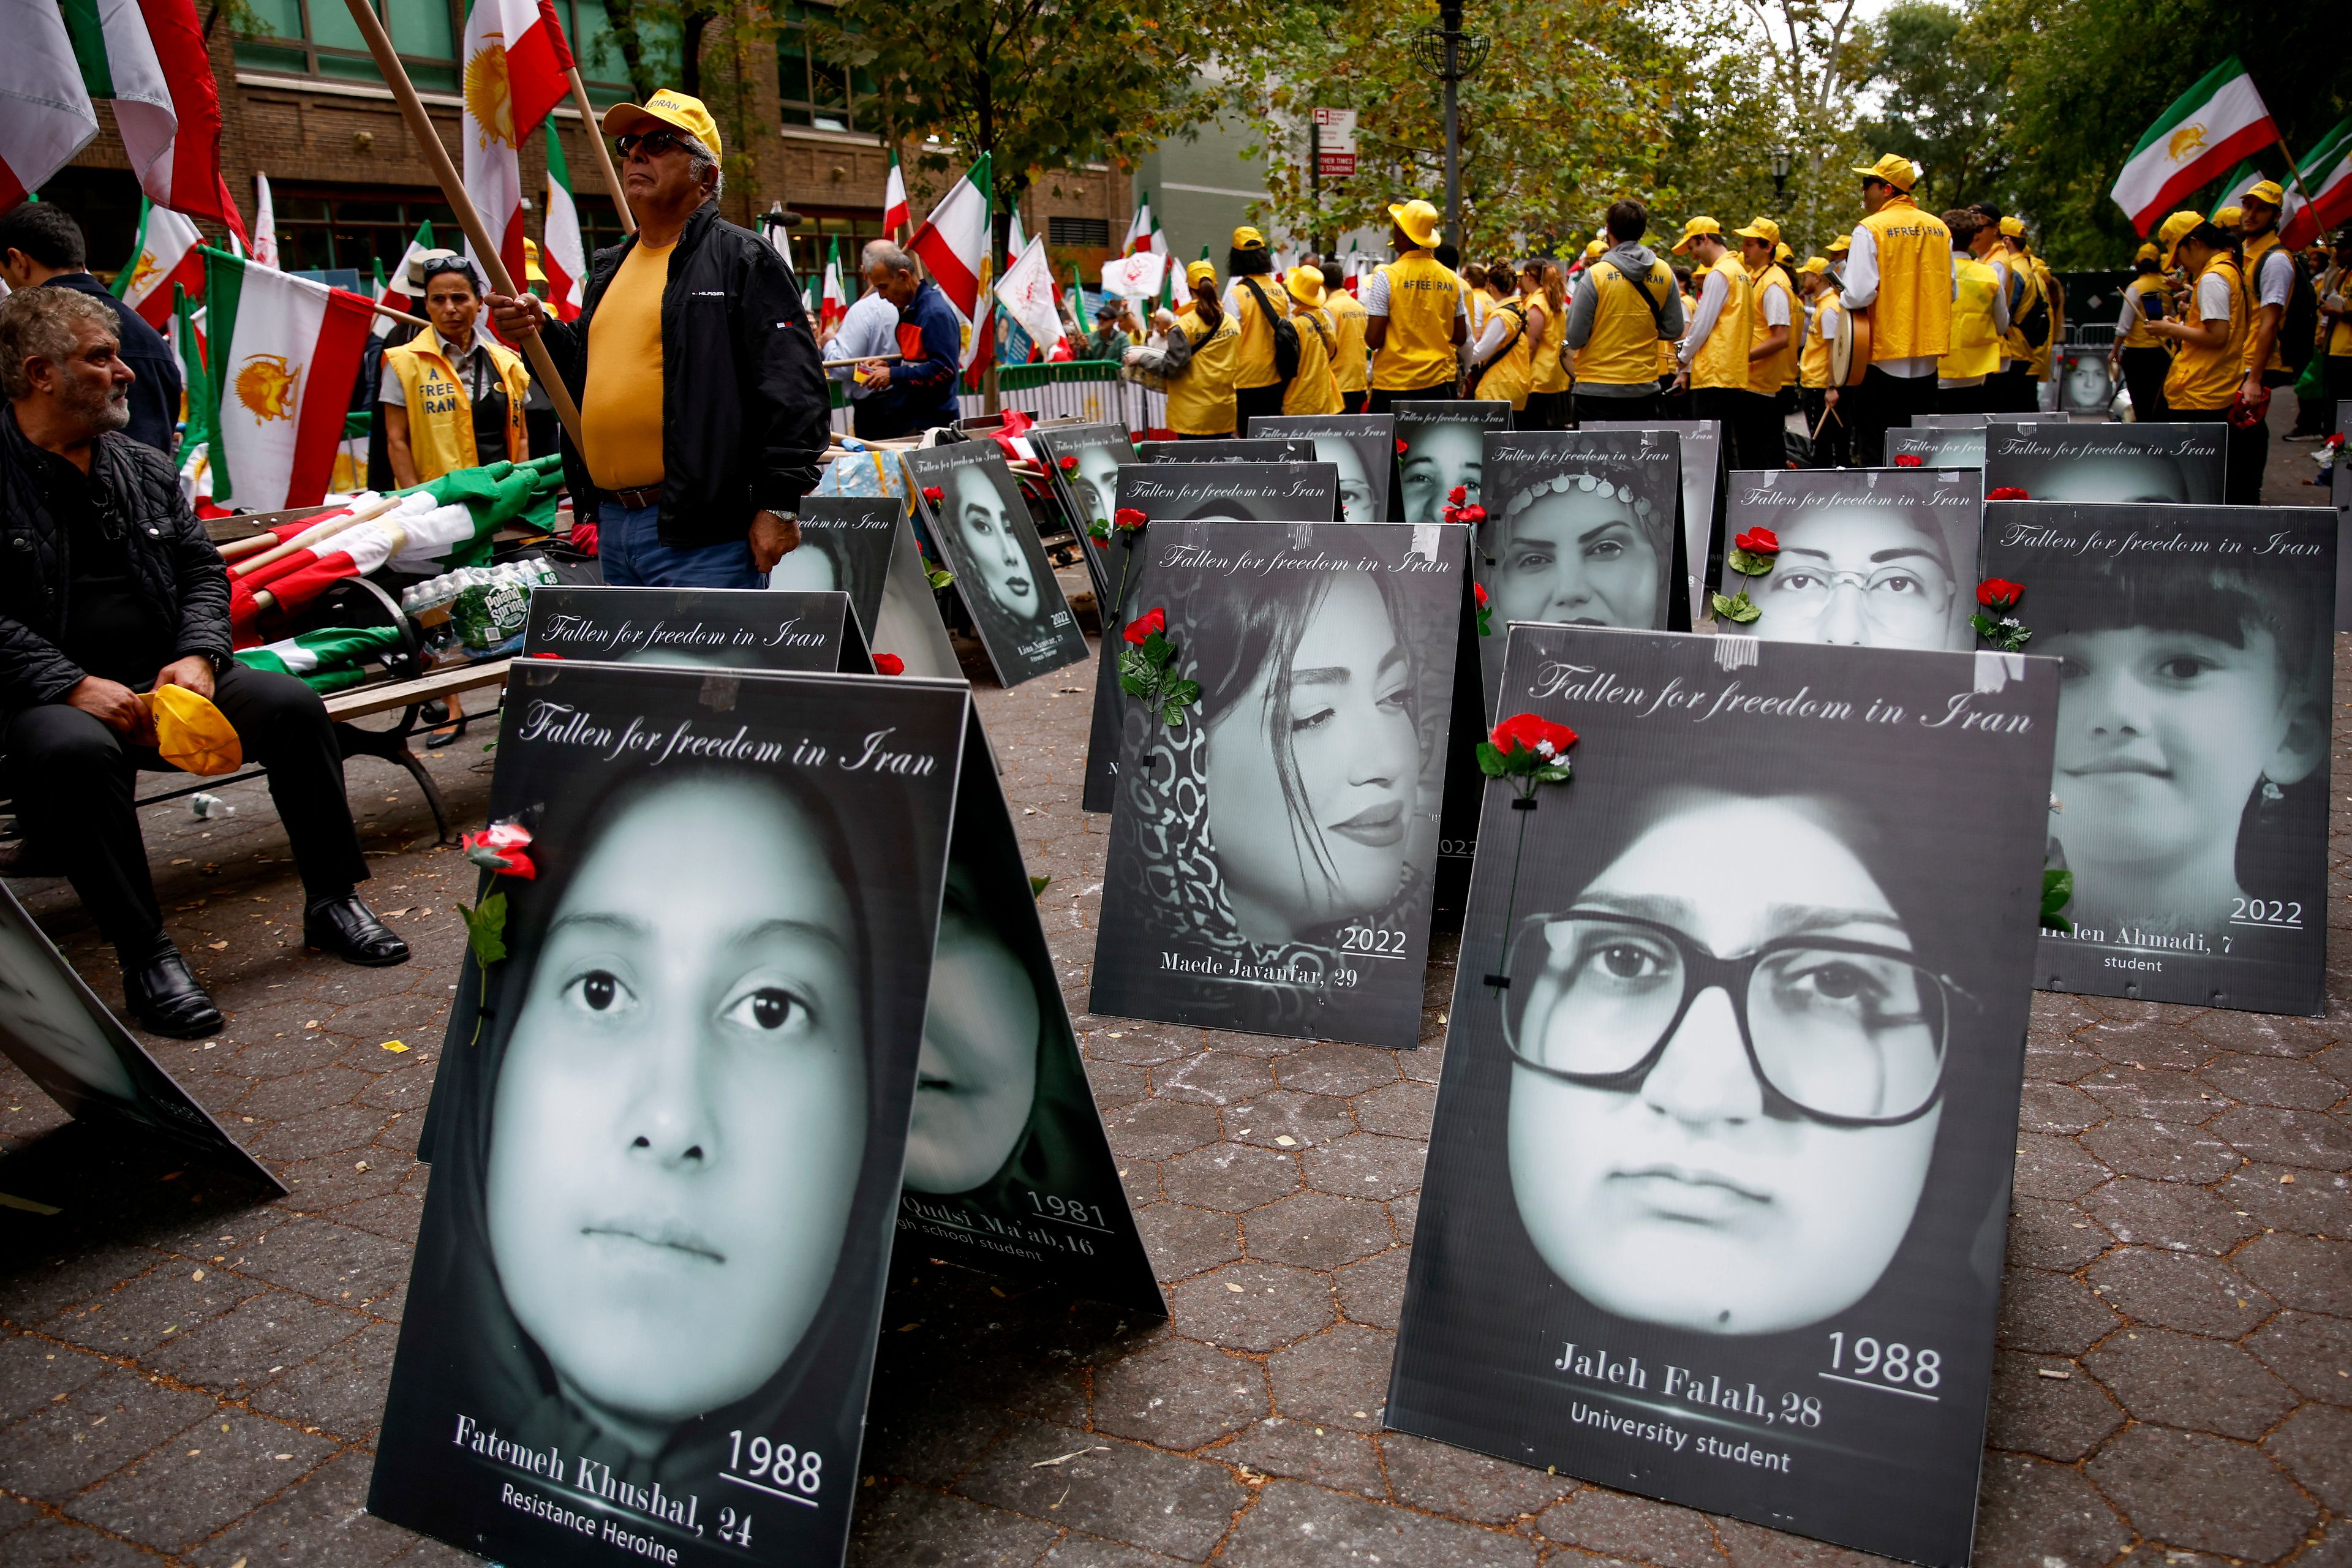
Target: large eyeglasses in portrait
[(1867, 559)]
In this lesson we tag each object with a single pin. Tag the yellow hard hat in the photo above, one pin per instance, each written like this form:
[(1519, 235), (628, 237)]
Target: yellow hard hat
[(1418, 219), (1762, 228), (191, 734), (1305, 284), (673, 108), (1692, 229), (1893, 168)]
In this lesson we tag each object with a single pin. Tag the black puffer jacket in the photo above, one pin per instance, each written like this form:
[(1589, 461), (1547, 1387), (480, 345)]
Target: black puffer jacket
[(745, 410), (178, 572)]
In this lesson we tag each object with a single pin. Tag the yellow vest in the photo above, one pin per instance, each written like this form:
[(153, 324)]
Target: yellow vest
[(2203, 378), (2254, 250), (1814, 363), (441, 411), (2038, 362), (1545, 372), (1424, 295), (1313, 390), (2335, 335), (2014, 346), (1667, 363), (1351, 363), (1254, 362), (1200, 401), (2141, 287), (1976, 340), (1722, 360), (1625, 348), (1770, 375), (1506, 378), (1912, 317)]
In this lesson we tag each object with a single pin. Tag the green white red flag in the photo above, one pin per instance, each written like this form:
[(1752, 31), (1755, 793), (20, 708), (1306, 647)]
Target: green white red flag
[(896, 214), (148, 57), (517, 68), (264, 248), (2209, 128), (283, 353), (1139, 227), (164, 253), (953, 243), (2327, 179), (395, 292), (564, 255), (45, 111), (835, 302)]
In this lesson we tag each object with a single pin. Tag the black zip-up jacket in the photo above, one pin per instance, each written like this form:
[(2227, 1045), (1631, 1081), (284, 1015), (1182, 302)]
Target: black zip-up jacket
[(745, 410), (174, 567)]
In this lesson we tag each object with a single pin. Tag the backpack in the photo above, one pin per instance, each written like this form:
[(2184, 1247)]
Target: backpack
[(2034, 325), (1518, 330), (1285, 336)]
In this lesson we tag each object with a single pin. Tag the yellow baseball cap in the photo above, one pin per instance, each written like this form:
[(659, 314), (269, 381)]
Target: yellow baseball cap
[(1247, 238), (2170, 234), (1700, 271), (1199, 272), (1418, 219), (672, 109), (2146, 253), (1781, 252), (2013, 227), (1760, 228), (1840, 245), (1811, 265), (1305, 284), (2266, 192), (1595, 250), (1893, 168), (1694, 228), (2229, 218)]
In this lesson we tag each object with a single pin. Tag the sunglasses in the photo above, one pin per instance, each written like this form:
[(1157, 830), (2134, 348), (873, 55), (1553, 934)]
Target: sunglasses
[(655, 143)]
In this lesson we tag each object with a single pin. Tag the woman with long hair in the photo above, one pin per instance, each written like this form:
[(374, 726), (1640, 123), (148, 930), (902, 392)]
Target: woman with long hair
[(1196, 365), (1500, 357), (1546, 292)]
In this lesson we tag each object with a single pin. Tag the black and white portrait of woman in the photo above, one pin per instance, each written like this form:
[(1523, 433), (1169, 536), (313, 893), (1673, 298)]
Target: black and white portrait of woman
[(1579, 531), (1360, 447), (673, 1124), (1716, 1198), (1442, 448), (845, 544), (1271, 853), (2117, 464), (982, 528), (1088, 485), (1702, 450), (1869, 557), (2190, 795)]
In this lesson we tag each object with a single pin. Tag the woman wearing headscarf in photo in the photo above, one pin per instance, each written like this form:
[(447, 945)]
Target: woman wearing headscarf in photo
[(1583, 547), (1296, 800), (662, 1201)]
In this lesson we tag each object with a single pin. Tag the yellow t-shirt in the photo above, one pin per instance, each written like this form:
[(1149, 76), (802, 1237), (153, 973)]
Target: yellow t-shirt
[(621, 416)]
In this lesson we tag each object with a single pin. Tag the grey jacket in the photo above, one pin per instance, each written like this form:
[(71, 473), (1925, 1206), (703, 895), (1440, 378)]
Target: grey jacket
[(1633, 259)]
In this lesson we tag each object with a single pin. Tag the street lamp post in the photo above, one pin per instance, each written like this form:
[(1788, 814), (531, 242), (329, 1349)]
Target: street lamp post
[(1781, 160), (1451, 55)]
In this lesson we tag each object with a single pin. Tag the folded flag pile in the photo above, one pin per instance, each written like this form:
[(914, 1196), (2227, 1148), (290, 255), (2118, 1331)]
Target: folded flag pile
[(326, 660)]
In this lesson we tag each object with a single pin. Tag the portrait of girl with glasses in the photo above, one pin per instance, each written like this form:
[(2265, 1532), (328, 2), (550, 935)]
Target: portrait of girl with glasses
[(1878, 559)]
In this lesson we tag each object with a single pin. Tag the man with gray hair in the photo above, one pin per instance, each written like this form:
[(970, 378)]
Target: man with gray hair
[(703, 410), (867, 330), (918, 391), (112, 590)]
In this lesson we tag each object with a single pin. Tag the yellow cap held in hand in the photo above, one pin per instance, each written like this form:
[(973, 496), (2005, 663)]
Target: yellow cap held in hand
[(191, 733)]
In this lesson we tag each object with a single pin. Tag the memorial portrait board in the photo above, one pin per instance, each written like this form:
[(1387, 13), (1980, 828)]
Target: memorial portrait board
[(1716, 1189), (2086, 388), (976, 517), (1937, 447), (1579, 530), (57, 1031), (710, 628), (1702, 442), (1226, 449), (2109, 463), (1441, 446), (1085, 460), (1882, 557), (2340, 497), (649, 1273), (1271, 856), (1361, 446), (1182, 492), (845, 547), (2190, 795), (1977, 419)]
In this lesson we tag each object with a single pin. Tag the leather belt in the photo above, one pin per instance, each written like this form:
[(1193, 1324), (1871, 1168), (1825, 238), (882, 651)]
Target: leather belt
[(637, 500)]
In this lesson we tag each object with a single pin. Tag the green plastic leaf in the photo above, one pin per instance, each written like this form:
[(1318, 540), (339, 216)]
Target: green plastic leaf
[(1037, 885), (1739, 608), (1490, 761), (486, 927), (940, 579), (1748, 562), (1158, 650), (2057, 892)]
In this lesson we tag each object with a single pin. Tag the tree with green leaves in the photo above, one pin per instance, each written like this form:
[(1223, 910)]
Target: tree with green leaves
[(1943, 101)]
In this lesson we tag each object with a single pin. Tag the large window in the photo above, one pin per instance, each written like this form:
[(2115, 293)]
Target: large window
[(815, 91), (813, 241), (319, 38)]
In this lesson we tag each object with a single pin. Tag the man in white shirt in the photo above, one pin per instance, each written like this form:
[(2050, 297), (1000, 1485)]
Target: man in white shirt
[(2270, 279), (868, 328)]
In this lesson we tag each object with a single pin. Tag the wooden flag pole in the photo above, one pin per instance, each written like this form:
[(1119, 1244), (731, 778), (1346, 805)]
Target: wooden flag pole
[(417, 321), (486, 250), (604, 154)]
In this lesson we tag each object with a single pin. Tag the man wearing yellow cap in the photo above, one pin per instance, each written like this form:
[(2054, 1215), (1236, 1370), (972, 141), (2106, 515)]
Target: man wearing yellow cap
[(1772, 345), (1899, 271), (1352, 363), (1255, 300), (2271, 278), (2211, 367), (703, 408), (1980, 316), (1623, 321), (2139, 356), (1315, 389), (2010, 390), (1714, 361), (1415, 320)]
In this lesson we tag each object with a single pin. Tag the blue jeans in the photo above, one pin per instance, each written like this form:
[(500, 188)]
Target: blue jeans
[(629, 542)]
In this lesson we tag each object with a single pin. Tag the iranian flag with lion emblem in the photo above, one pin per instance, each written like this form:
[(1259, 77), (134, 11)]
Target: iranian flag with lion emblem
[(2209, 128), (517, 66), (953, 245), (283, 355)]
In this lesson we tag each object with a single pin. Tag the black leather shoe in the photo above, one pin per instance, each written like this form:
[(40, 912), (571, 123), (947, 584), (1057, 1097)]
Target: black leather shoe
[(344, 927), (165, 998)]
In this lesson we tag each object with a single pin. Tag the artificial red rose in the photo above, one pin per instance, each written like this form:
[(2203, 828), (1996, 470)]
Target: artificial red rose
[(2007, 492), (1069, 464), (1127, 519), (1458, 496), (933, 494), (1139, 630), (1399, 445), (1480, 590), (889, 664), (1908, 459), (1473, 514), (1759, 541), (1998, 594), (1533, 733), (499, 847)]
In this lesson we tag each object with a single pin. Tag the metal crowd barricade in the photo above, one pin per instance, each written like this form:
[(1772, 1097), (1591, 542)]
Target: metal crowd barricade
[(1090, 390)]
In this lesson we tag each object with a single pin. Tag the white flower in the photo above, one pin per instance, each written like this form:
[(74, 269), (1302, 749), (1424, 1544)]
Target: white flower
[(1545, 749)]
